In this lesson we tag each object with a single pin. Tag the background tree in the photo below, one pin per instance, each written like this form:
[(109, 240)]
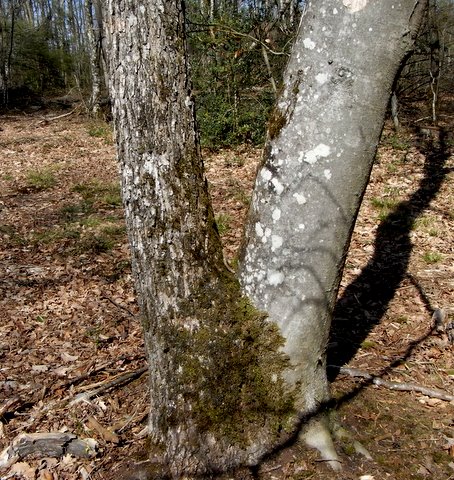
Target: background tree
[(428, 71), (222, 392)]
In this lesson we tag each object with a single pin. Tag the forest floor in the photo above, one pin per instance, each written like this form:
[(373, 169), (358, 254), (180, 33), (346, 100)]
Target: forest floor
[(69, 332)]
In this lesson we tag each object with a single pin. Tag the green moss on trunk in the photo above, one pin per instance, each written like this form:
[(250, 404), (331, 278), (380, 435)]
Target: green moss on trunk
[(228, 366)]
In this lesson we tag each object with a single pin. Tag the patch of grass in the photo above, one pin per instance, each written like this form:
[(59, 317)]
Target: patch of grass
[(424, 221), (222, 222), (397, 142), (98, 243), (115, 230), (432, 257), (7, 177), (385, 206), (54, 235), (11, 236), (41, 179), (106, 194), (101, 130), (384, 203), (242, 197), (392, 167), (74, 211), (235, 161), (402, 319), (368, 344), (90, 222)]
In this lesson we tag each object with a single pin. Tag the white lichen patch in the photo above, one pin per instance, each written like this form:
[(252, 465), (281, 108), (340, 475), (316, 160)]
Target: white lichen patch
[(259, 229), (321, 78), (327, 174), (266, 174), (276, 242), (277, 186), (274, 277), (308, 43), (355, 5), (300, 198), (301, 226), (276, 215), (313, 155)]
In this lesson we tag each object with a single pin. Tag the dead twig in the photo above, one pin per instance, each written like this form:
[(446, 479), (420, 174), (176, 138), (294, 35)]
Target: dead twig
[(118, 305), (51, 119), (403, 387), (101, 387)]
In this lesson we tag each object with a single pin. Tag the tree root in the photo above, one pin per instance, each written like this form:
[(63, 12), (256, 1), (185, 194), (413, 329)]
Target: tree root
[(319, 434)]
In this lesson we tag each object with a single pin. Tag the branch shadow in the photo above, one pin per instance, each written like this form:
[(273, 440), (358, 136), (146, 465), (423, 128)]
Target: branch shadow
[(365, 301)]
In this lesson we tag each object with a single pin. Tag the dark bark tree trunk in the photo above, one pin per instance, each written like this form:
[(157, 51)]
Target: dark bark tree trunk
[(221, 390), (214, 361)]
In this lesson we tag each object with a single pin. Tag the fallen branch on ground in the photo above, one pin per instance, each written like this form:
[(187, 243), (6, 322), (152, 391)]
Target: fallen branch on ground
[(404, 387), (103, 386), (45, 120), (53, 444)]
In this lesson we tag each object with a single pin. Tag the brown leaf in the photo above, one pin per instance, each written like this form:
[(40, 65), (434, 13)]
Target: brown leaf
[(105, 433)]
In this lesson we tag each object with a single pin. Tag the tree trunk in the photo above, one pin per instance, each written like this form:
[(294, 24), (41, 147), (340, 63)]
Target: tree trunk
[(94, 57), (218, 394), (322, 139), (214, 361)]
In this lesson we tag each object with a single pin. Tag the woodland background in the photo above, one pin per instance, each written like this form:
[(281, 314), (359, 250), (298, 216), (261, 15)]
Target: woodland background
[(68, 317)]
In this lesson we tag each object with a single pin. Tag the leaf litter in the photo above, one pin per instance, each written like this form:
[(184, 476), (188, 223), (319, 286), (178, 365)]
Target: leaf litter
[(69, 320)]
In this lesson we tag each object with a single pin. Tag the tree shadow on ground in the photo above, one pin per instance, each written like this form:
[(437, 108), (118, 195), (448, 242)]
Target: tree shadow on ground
[(365, 301)]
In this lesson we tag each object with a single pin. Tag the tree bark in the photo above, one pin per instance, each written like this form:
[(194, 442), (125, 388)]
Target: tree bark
[(322, 139), (216, 394), (94, 57)]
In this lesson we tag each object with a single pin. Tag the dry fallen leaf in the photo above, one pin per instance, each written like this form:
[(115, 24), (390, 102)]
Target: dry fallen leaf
[(66, 357), (24, 470)]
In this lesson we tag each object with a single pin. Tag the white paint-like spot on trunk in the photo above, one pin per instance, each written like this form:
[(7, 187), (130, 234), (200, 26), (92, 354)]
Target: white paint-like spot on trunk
[(308, 43), (259, 229), (277, 186), (313, 155), (355, 5), (266, 174), (276, 214), (327, 174), (321, 78), (274, 277), (276, 242), (300, 198)]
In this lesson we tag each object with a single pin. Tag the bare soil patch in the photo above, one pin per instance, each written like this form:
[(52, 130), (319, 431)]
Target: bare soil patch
[(68, 316)]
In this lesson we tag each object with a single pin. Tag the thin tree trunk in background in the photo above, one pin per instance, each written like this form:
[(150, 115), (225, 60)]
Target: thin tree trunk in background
[(92, 49)]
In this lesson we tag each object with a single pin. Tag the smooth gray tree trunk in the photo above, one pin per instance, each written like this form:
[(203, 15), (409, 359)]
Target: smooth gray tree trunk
[(227, 383), (322, 139)]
